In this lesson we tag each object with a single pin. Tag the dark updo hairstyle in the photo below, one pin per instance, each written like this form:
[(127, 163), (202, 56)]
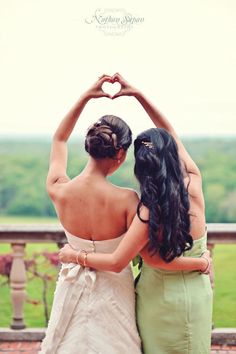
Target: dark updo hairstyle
[(159, 172), (105, 137)]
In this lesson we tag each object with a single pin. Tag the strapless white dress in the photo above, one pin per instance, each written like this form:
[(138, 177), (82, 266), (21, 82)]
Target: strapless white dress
[(92, 311)]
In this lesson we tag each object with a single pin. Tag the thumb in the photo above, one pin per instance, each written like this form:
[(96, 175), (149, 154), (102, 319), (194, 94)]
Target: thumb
[(106, 95), (116, 96), (101, 93)]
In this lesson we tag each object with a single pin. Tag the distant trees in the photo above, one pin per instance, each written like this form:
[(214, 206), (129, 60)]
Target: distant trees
[(217, 162), (24, 164)]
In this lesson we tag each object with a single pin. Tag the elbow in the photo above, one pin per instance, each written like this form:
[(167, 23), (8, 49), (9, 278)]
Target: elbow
[(116, 269), (59, 137), (154, 262), (117, 266)]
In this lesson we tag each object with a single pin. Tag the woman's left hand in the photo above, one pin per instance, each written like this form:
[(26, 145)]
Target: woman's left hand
[(67, 254), (208, 268), (96, 90), (126, 88)]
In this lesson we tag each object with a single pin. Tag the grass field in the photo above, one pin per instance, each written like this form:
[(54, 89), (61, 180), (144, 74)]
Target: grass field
[(224, 293), (225, 286), (26, 220)]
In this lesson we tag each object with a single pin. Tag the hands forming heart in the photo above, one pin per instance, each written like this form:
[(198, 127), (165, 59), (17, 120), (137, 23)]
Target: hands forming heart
[(111, 87)]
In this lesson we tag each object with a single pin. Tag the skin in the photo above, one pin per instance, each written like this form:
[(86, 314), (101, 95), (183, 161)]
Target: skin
[(88, 191)]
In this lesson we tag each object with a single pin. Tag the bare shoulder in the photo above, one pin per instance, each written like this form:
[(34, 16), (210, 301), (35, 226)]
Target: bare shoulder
[(129, 194), (194, 185), (56, 190), (129, 199)]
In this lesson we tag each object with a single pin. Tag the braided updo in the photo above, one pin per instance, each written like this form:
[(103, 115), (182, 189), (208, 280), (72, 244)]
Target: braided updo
[(105, 137)]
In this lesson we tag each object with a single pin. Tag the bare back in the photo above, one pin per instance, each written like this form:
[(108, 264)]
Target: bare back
[(91, 207)]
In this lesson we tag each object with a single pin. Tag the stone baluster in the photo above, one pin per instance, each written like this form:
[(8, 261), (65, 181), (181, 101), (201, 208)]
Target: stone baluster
[(18, 283)]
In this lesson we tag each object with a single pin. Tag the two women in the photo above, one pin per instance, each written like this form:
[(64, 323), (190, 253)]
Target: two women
[(93, 311)]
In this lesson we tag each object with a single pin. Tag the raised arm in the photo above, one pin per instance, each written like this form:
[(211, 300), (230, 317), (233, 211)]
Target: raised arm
[(58, 158), (135, 239), (158, 119)]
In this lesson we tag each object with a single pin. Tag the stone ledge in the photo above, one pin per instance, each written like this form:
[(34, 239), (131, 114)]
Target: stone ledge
[(224, 336), (28, 334), (220, 336)]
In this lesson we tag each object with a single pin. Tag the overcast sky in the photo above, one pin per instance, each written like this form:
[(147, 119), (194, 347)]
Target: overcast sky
[(181, 54)]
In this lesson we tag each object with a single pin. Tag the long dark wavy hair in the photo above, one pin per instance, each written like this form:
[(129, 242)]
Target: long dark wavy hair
[(159, 172)]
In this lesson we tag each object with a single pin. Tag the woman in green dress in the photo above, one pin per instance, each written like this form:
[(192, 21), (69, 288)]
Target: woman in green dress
[(174, 307)]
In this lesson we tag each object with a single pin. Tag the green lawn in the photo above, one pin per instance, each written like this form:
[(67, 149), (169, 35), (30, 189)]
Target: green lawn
[(224, 293), (26, 220), (225, 286)]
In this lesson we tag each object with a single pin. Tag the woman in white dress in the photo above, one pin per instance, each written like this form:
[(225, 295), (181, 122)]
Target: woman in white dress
[(93, 311)]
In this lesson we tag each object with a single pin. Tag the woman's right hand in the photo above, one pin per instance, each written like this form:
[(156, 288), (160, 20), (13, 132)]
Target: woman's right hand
[(96, 91), (67, 254), (126, 88), (207, 268)]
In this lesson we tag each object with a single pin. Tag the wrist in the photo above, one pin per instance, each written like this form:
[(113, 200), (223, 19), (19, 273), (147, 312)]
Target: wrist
[(140, 97), (207, 268), (81, 258), (203, 264), (74, 257), (137, 94), (85, 97)]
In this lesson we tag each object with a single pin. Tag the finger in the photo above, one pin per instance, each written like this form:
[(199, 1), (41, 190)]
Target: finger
[(209, 266), (104, 94), (207, 253), (107, 95), (100, 77), (117, 77), (118, 94), (105, 78), (209, 269)]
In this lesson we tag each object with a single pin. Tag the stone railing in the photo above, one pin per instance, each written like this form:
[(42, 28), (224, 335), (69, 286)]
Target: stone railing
[(19, 235)]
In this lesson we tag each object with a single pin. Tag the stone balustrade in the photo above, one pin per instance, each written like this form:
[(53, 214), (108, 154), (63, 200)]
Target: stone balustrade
[(19, 235)]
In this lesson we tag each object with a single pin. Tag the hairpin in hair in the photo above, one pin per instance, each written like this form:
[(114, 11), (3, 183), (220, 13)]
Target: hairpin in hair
[(148, 144)]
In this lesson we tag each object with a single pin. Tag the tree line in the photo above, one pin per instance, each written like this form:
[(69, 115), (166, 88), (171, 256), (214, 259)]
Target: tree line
[(24, 165)]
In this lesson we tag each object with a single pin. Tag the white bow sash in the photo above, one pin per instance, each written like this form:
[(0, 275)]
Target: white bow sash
[(79, 277)]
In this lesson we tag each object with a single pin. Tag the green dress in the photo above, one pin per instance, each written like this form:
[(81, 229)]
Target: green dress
[(174, 308)]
